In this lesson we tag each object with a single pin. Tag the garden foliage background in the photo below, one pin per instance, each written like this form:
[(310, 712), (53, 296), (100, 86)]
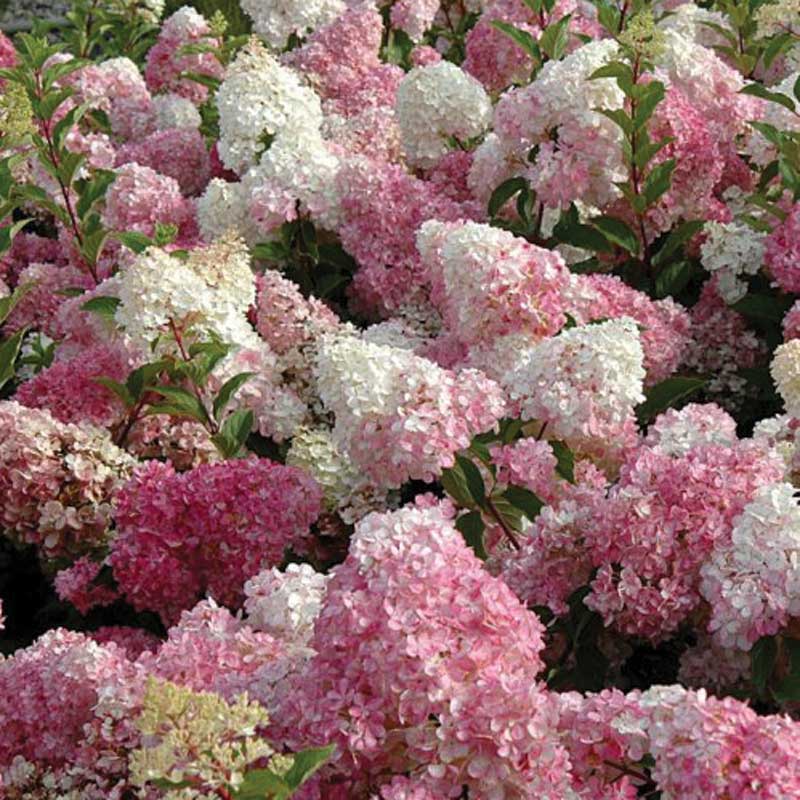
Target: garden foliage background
[(400, 400)]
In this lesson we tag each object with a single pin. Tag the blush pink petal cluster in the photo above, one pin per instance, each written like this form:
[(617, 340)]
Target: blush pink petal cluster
[(182, 535)]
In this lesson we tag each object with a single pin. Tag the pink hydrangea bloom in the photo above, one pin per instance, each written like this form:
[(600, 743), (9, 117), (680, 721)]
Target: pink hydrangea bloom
[(165, 62), (338, 56), (211, 650), (414, 16), (424, 55), (664, 325), (181, 535), (661, 520), (48, 692), (132, 641), (596, 741), (38, 308), (76, 585), (140, 197), (782, 252), (69, 390), (721, 346), (284, 318), (706, 747), (399, 416), (553, 560), (699, 164), (57, 481), (382, 207), (497, 61), (178, 153), (528, 463), (791, 323), (8, 55), (677, 432), (117, 87), (488, 283), (411, 595), (29, 248)]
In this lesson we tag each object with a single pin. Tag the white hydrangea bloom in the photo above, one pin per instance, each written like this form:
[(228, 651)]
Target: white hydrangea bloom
[(277, 20), (563, 87), (676, 432), (356, 378), (753, 583), (347, 491), (213, 288), (259, 97), (222, 208), (785, 369), (692, 22), (584, 382), (286, 604), (298, 166), (731, 250), (174, 111), (435, 103), (491, 165), (563, 99)]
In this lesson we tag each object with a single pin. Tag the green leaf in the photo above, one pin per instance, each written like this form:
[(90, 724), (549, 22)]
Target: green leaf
[(618, 70), (565, 460), (133, 240), (618, 232), (8, 233), (569, 230), (93, 245), (455, 484), (7, 304), (180, 403), (306, 763), (66, 123), (522, 38), (475, 484), (761, 307), (673, 279), (777, 45), (554, 38), (9, 350), (143, 376), (676, 238), (759, 90), (204, 80), (650, 95), (105, 307), (504, 192), (525, 500), (119, 389), (271, 251), (472, 528), (259, 784), (618, 116), (228, 390), (510, 429), (658, 180), (234, 432), (666, 395), (769, 132), (93, 190), (762, 661), (647, 149)]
